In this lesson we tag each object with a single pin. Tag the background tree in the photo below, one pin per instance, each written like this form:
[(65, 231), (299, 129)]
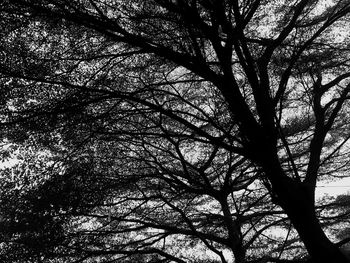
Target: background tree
[(179, 126)]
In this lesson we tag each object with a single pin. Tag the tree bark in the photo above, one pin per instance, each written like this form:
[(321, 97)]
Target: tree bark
[(240, 256), (298, 203)]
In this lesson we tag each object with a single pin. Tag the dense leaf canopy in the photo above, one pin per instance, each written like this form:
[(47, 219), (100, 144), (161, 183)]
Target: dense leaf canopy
[(174, 131)]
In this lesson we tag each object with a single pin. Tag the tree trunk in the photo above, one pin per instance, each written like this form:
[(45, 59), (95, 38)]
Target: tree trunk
[(240, 255), (298, 203)]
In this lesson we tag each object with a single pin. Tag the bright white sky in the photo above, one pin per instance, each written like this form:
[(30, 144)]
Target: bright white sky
[(334, 188)]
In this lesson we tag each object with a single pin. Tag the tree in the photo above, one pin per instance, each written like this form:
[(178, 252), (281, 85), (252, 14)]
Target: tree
[(180, 124)]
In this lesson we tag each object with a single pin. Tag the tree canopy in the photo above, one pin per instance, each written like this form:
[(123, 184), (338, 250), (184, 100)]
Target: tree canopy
[(173, 130)]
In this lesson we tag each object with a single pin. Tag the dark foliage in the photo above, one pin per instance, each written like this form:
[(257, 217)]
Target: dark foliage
[(173, 131)]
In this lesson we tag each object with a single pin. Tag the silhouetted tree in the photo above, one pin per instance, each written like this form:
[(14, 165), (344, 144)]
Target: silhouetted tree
[(180, 127)]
